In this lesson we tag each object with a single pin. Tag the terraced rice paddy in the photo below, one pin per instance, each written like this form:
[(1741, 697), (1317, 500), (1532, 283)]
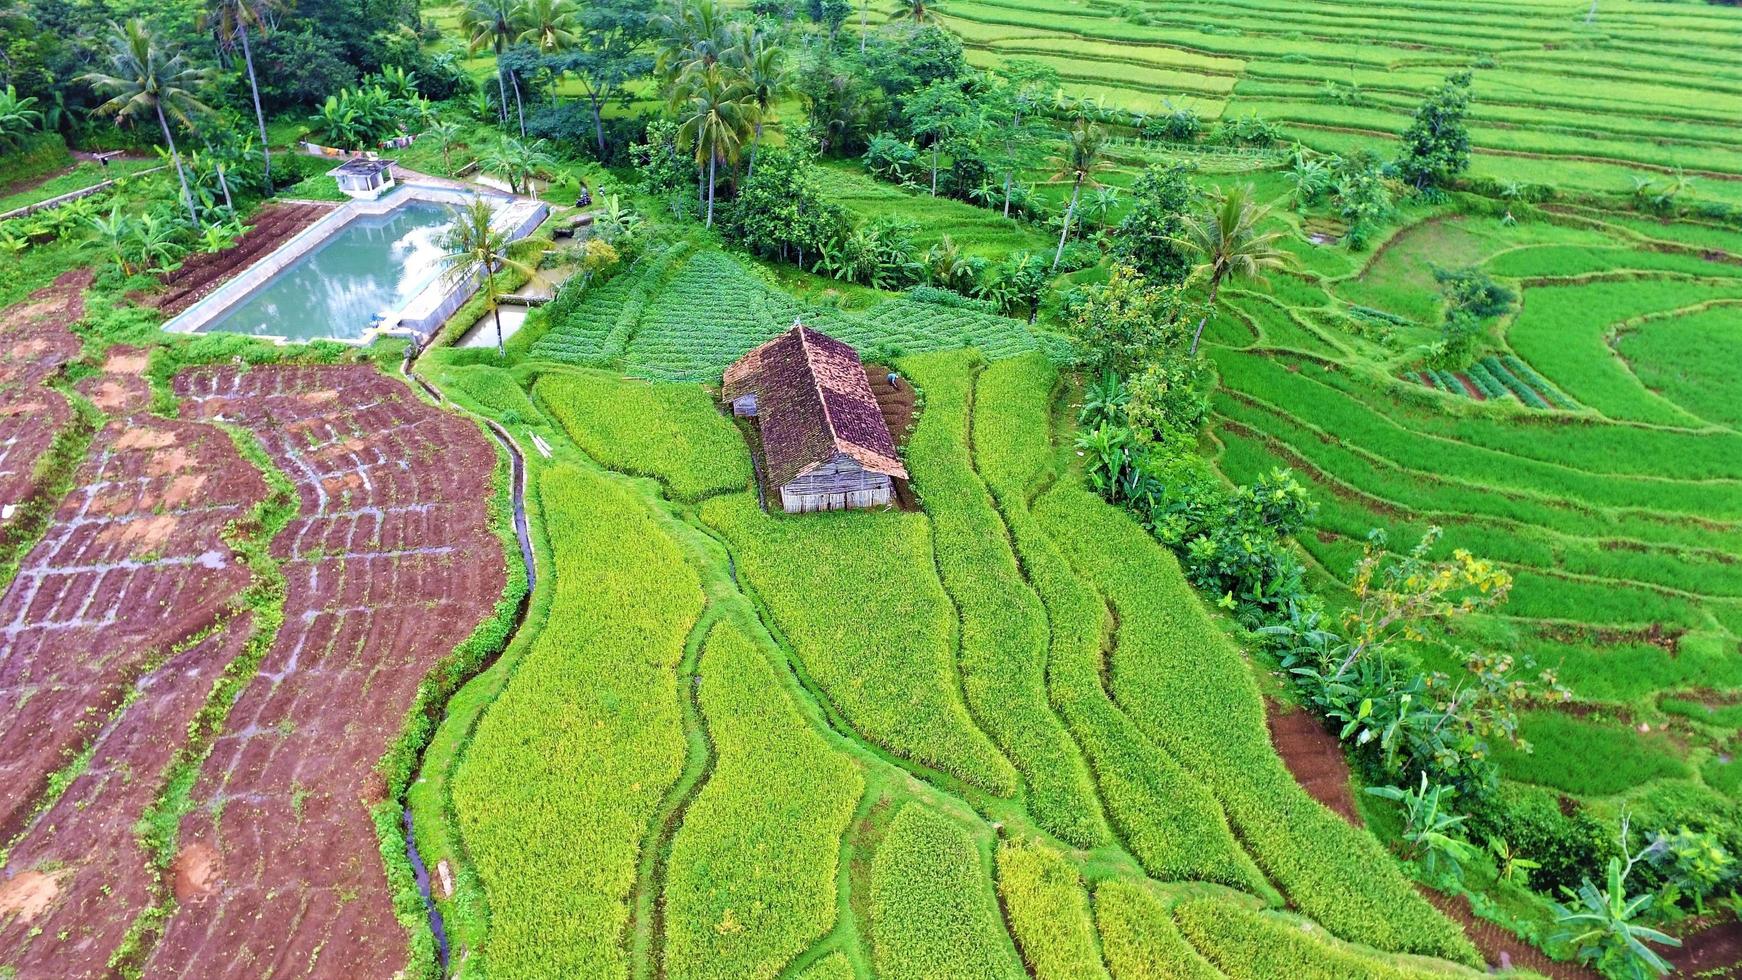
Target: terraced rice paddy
[(1661, 85), (1602, 468), (939, 790)]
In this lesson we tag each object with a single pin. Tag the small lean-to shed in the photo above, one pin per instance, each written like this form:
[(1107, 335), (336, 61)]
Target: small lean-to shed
[(824, 442), (363, 177)]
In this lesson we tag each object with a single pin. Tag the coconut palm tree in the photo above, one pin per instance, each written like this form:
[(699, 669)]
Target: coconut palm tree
[(918, 10), (548, 25), (1228, 244), (691, 38), (762, 65), (448, 137), (714, 117), (474, 248), (493, 24), (1082, 159), (231, 19), (144, 78)]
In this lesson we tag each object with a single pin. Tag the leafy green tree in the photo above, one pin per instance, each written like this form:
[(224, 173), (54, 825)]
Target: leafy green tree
[(761, 62), (938, 113), (1149, 234), (1009, 110), (448, 137), (1082, 158), (1436, 146), (1169, 398), (1364, 200), (144, 78), (1127, 322), (550, 26), (1432, 833), (232, 19), (474, 249), (781, 210), (608, 54), (1226, 241)]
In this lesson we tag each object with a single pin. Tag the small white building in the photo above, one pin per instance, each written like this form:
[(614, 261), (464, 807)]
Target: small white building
[(364, 178)]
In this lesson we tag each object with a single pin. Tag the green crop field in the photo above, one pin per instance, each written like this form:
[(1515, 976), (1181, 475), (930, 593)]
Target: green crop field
[(1188, 319)]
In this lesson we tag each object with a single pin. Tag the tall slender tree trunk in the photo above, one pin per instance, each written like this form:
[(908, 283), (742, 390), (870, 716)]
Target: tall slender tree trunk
[(224, 185), (1009, 175), (934, 168), (518, 108), (862, 5), (496, 313), (187, 196), (598, 125), (259, 117), (1198, 334), (712, 159), (1070, 212), (755, 143), (502, 88), (1591, 15)]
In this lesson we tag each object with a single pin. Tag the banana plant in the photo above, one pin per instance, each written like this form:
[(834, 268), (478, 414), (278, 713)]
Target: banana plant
[(1602, 926), (1429, 827)]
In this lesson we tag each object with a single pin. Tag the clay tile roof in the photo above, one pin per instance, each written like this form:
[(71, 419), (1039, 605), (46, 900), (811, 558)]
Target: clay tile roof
[(812, 401)]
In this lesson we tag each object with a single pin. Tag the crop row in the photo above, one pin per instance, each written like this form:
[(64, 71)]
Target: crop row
[(1544, 456), (1049, 912), (670, 432), (752, 872), (933, 913), (1165, 817), (1187, 687), (556, 790), (1249, 945), (894, 675), (1562, 330), (600, 327), (1003, 627), (1504, 485), (1602, 671), (1139, 939)]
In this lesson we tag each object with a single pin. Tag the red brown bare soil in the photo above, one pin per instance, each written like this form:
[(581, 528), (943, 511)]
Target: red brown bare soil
[(35, 341), (389, 564), (122, 387), (203, 272), (897, 406), (1315, 757), (1501, 948), (133, 563), (1715, 951), (80, 859)]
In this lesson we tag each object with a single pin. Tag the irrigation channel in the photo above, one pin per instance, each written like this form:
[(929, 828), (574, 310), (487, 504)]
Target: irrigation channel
[(523, 534)]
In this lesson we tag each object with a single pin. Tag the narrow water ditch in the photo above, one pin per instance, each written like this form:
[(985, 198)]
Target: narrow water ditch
[(523, 535)]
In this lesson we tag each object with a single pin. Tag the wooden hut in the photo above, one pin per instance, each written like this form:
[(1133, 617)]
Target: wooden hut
[(824, 442)]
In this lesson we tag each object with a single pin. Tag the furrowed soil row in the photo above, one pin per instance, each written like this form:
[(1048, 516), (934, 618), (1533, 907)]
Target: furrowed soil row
[(389, 564), (112, 635), (133, 563), (35, 342), (275, 224)]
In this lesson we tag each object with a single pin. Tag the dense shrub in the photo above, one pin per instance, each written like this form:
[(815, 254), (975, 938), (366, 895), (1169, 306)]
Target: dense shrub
[(1559, 834)]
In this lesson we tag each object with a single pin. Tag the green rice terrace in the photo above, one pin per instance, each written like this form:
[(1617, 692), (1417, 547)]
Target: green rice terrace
[(652, 489)]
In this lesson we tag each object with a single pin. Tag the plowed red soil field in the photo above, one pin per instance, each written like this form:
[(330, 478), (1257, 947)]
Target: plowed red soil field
[(274, 224), (389, 564), (35, 340), (111, 635)]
